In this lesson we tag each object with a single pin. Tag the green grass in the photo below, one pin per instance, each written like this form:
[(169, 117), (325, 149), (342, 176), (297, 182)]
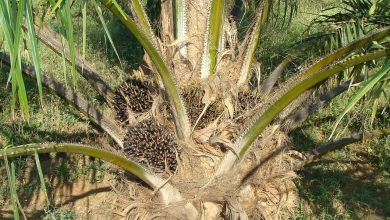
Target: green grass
[(57, 121), (352, 183), (276, 41), (58, 213)]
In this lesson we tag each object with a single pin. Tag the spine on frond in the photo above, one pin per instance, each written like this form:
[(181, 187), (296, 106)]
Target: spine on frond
[(182, 124), (213, 38), (181, 25), (128, 165), (205, 68), (313, 76), (253, 42), (168, 193), (142, 20)]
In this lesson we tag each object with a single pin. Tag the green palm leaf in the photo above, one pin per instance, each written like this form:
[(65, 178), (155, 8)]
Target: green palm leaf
[(183, 127), (213, 39), (367, 86), (41, 179), (12, 187), (253, 42), (66, 21), (84, 14), (181, 24), (106, 31), (11, 20), (126, 164), (312, 76), (34, 46)]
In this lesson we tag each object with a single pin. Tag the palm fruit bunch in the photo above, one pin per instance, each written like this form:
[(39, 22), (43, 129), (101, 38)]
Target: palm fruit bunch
[(193, 101), (133, 95), (152, 145)]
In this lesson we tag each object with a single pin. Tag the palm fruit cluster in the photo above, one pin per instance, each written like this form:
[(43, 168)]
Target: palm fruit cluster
[(152, 145), (193, 101), (133, 95)]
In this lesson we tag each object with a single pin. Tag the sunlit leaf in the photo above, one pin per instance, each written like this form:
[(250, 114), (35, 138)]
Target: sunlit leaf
[(107, 32), (12, 188), (41, 179), (366, 87), (84, 13), (34, 46)]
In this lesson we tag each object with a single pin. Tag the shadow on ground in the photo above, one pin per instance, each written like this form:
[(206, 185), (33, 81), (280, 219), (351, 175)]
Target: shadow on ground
[(351, 183)]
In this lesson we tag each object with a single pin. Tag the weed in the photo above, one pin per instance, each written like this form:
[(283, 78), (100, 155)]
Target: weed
[(350, 183), (59, 214)]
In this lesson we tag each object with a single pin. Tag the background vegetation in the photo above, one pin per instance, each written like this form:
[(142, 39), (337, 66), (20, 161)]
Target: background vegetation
[(351, 183)]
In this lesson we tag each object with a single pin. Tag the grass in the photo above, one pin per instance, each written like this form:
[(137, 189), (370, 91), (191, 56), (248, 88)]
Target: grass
[(57, 121), (352, 183), (276, 41), (59, 213)]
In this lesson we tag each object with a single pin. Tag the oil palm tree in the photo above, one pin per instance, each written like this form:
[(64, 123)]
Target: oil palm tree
[(189, 125)]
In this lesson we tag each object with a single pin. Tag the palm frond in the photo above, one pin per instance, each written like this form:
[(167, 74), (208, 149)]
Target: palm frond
[(183, 127), (269, 83), (181, 24), (367, 11), (375, 96), (311, 76), (106, 31), (68, 25), (368, 85), (142, 20), (213, 38), (11, 20), (351, 20), (34, 45), (41, 178), (84, 27), (282, 12), (84, 106), (54, 41), (254, 37), (324, 149), (127, 164), (12, 187)]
